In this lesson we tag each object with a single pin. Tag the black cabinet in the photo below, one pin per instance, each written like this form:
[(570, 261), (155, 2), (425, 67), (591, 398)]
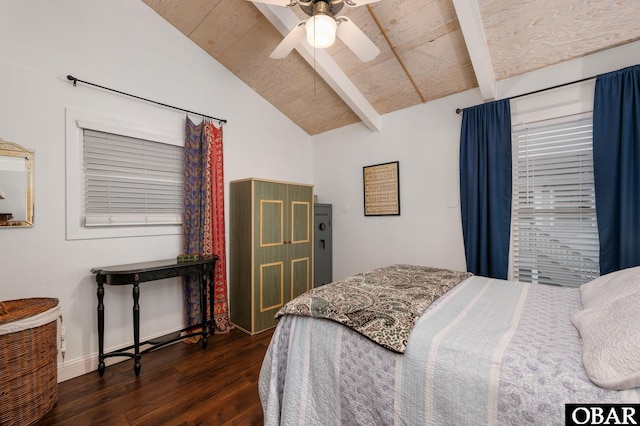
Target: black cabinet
[(322, 249)]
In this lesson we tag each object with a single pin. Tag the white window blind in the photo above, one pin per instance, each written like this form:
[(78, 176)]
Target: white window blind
[(555, 235), (130, 181)]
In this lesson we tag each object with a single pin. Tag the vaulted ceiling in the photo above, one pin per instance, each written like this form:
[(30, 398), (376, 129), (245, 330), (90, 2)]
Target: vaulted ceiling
[(429, 49)]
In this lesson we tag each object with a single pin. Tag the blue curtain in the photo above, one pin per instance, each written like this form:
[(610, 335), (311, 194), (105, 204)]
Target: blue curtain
[(485, 187), (616, 163)]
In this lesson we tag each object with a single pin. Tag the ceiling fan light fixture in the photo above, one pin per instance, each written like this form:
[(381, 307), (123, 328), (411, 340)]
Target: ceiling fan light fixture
[(321, 30)]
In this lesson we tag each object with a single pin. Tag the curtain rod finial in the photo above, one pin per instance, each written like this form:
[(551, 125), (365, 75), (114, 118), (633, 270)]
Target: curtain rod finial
[(72, 78), (458, 110)]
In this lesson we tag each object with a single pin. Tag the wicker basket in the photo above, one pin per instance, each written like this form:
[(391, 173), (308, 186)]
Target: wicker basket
[(28, 359)]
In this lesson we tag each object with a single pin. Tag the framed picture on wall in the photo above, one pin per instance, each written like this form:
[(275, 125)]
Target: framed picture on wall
[(382, 189)]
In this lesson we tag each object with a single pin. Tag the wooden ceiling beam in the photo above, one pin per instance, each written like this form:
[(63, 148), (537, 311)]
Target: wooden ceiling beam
[(283, 19), (474, 37)]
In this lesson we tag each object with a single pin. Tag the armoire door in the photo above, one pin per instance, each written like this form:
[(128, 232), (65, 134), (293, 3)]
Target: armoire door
[(271, 273), (300, 249)]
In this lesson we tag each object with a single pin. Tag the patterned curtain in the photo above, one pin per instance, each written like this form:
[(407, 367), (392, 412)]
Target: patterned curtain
[(204, 218)]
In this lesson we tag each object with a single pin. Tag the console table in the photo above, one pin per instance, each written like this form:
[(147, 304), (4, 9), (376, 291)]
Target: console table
[(136, 273)]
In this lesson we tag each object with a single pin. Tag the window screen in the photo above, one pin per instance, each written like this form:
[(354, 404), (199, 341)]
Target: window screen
[(129, 181), (555, 235)]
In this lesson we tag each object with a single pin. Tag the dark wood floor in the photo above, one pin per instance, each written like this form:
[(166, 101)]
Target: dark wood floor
[(178, 385)]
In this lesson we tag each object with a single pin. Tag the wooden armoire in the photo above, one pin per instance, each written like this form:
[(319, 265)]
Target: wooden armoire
[(271, 249)]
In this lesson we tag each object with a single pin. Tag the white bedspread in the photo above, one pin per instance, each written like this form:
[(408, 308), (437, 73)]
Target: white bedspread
[(489, 352)]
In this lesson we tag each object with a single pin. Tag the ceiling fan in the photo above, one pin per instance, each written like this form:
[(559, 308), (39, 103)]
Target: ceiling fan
[(323, 26)]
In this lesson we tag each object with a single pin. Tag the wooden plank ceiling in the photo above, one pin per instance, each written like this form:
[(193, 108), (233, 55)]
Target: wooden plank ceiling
[(504, 38)]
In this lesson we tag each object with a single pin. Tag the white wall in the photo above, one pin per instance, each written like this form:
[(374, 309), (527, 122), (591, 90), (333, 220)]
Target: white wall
[(425, 139), (124, 45)]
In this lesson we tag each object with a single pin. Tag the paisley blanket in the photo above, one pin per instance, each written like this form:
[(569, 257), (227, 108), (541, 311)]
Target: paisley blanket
[(382, 305)]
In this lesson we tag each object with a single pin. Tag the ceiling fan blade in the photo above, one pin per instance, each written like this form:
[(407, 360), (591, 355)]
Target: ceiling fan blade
[(356, 3), (356, 40), (274, 2), (290, 41)]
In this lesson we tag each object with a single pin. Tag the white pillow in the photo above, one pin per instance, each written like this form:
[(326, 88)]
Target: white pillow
[(610, 287), (610, 340)]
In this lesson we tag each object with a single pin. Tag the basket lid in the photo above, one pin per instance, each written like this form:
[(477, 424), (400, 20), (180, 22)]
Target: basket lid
[(14, 310)]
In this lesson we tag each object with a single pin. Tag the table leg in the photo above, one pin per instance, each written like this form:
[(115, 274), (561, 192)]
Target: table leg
[(136, 326), (100, 292)]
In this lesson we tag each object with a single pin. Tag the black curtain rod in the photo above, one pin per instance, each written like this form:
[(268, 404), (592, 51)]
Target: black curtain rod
[(76, 80), (459, 110)]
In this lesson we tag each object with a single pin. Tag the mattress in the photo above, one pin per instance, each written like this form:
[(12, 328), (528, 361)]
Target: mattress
[(489, 352)]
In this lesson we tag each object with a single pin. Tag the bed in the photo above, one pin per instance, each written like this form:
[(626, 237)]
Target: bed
[(487, 351)]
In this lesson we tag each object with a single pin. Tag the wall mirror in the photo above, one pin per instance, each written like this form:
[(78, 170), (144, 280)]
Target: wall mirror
[(16, 185)]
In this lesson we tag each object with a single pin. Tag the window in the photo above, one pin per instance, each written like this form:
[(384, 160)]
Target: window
[(555, 235), (97, 187), (130, 181)]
